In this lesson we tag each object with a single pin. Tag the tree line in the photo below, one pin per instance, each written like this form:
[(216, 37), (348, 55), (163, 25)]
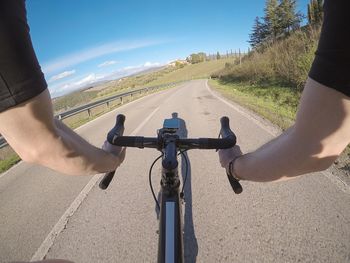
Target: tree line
[(201, 56), (280, 18)]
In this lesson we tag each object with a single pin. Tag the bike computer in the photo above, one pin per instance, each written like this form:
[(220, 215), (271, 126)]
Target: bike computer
[(171, 125)]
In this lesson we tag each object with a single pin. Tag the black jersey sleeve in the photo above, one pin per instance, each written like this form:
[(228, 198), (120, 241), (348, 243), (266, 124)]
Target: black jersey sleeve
[(331, 66), (21, 77)]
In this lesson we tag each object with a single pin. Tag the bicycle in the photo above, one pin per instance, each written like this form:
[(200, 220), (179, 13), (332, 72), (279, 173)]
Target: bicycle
[(168, 142)]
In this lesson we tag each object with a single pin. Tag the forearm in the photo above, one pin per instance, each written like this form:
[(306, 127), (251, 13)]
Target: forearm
[(37, 137), (320, 134), (286, 157), (69, 153)]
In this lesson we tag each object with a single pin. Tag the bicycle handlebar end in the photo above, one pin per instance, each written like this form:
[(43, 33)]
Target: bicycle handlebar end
[(113, 134), (236, 186), (106, 180), (226, 132)]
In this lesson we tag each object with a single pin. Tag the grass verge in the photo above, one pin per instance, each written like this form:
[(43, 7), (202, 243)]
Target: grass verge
[(8, 162), (192, 71), (275, 103)]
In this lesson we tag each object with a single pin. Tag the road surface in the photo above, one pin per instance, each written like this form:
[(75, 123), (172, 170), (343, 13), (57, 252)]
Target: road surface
[(44, 213)]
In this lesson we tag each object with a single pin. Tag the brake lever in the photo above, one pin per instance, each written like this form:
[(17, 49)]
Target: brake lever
[(116, 131), (225, 131), (236, 186)]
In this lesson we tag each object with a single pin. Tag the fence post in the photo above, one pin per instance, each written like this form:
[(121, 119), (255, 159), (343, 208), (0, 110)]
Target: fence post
[(121, 100), (108, 104), (89, 112)]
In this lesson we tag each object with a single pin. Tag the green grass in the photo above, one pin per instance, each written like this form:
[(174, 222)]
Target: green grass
[(277, 104), (8, 162), (72, 100)]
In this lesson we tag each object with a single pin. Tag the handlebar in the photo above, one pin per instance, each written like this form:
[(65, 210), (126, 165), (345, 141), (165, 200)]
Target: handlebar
[(228, 140), (183, 144)]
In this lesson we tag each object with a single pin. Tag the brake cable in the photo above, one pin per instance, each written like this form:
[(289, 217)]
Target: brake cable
[(186, 172), (150, 176), (150, 180)]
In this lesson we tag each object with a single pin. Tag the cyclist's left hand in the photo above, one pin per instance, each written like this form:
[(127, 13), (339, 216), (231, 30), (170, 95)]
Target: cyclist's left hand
[(115, 150)]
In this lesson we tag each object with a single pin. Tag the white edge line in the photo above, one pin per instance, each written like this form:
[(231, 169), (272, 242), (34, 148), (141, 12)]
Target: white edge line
[(62, 222), (60, 225), (337, 181), (334, 179), (245, 114), (13, 167)]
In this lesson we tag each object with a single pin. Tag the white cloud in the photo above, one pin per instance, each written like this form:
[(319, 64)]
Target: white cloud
[(90, 79), (107, 63), (94, 52), (62, 75), (82, 81), (142, 66), (150, 64)]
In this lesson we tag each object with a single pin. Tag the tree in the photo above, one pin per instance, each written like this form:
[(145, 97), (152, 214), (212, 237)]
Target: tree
[(279, 19), (289, 19), (196, 58), (218, 55), (271, 19), (179, 64), (202, 56), (315, 12), (259, 33)]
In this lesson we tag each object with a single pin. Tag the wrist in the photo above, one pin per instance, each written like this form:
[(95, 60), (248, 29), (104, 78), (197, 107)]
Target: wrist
[(232, 170)]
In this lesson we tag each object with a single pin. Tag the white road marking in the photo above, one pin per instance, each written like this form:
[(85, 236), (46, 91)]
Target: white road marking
[(60, 225), (334, 179), (144, 122), (337, 181)]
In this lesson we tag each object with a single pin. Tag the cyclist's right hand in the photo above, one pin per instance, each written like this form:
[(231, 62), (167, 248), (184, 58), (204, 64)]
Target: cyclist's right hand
[(227, 155)]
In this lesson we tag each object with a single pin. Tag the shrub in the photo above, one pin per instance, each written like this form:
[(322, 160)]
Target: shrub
[(285, 62)]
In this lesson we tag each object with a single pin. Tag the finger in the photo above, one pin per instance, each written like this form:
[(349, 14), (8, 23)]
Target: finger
[(237, 150)]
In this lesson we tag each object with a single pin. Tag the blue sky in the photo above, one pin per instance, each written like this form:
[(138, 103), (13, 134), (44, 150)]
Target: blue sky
[(79, 42)]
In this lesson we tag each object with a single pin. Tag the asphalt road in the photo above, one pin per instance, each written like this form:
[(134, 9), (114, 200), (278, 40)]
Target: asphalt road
[(303, 220)]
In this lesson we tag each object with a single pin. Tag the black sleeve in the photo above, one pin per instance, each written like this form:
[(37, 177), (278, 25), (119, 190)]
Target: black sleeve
[(20, 75), (331, 66)]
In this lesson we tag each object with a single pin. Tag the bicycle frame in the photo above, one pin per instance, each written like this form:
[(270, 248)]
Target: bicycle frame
[(170, 243)]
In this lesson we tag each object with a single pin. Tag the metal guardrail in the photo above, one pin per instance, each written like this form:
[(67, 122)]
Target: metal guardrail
[(3, 142), (89, 106)]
